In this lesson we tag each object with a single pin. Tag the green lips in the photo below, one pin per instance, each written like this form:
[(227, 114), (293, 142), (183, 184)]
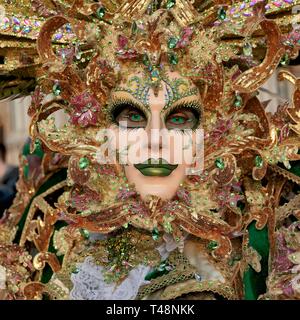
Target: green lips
[(156, 168)]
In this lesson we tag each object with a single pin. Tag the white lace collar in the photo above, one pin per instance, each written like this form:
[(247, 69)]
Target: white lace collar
[(89, 283)]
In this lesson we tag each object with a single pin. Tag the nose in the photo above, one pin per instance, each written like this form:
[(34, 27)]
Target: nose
[(155, 124)]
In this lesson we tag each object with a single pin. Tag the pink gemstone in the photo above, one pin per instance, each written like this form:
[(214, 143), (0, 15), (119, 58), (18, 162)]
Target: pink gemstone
[(277, 4), (122, 41)]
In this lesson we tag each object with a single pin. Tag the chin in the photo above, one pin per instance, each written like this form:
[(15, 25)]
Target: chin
[(161, 190), (163, 187)]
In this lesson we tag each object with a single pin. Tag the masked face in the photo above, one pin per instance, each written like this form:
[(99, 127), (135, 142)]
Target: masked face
[(156, 131)]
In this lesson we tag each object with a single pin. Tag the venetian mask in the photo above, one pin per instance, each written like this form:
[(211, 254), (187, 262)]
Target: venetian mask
[(161, 126)]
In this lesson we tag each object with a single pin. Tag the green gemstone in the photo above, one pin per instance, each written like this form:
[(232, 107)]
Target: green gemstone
[(146, 60), (134, 27), (83, 163), (171, 4), (220, 163), (238, 101), (85, 233), (259, 162), (152, 275), (285, 60), (157, 272), (155, 234), (56, 89), (37, 144), (212, 245), (172, 43), (162, 267), (75, 270), (222, 14), (100, 12), (173, 59), (247, 49)]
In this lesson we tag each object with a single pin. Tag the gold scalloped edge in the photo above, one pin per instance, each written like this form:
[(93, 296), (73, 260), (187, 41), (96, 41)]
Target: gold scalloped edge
[(192, 286), (184, 271), (290, 176), (160, 282)]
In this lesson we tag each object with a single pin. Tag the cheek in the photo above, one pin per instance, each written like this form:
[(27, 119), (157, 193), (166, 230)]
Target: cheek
[(131, 145), (180, 148), (189, 149), (177, 148)]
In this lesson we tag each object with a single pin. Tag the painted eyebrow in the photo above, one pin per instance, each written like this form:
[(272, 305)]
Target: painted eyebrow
[(119, 101), (183, 104), (118, 95)]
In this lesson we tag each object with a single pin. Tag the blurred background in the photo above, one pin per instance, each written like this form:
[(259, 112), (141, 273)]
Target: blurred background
[(14, 126)]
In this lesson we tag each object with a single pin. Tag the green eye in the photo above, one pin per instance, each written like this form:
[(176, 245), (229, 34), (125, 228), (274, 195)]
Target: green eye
[(135, 117), (182, 118), (177, 120)]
